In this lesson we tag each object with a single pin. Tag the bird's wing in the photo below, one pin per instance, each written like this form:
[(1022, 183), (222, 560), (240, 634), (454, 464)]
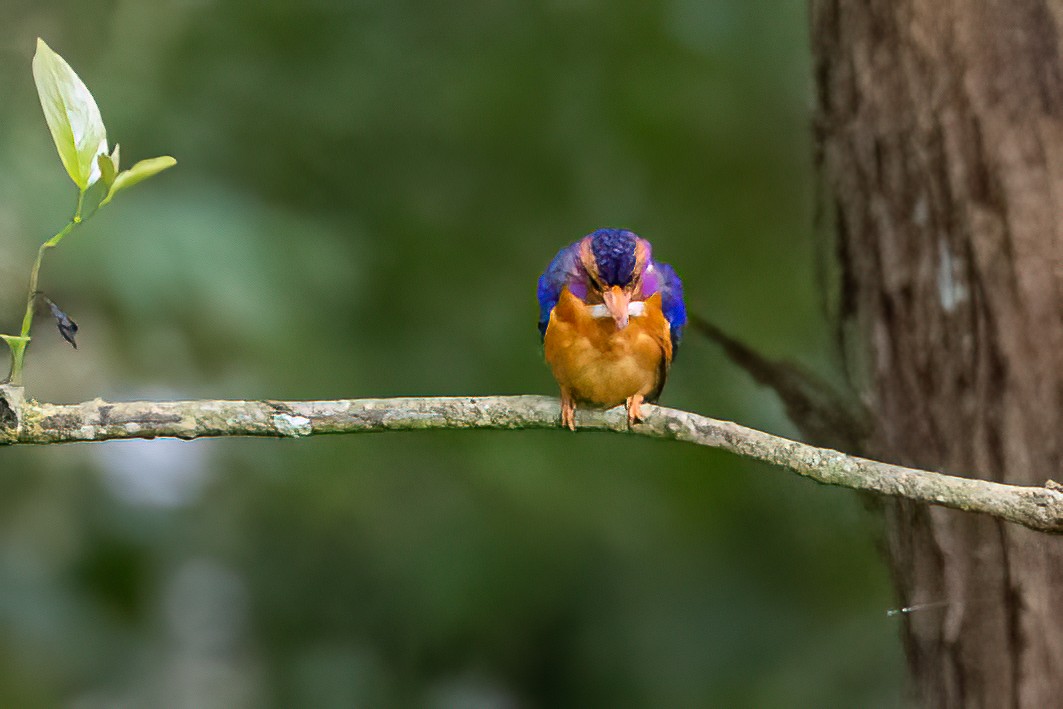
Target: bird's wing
[(675, 310), (564, 270)]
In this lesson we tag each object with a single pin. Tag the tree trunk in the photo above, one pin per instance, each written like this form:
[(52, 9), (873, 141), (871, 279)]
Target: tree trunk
[(940, 136)]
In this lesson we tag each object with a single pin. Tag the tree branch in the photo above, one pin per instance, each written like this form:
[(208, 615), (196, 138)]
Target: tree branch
[(1039, 508), (825, 415)]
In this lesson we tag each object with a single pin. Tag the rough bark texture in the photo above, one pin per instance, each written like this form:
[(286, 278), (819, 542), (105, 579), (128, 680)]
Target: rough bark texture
[(940, 134)]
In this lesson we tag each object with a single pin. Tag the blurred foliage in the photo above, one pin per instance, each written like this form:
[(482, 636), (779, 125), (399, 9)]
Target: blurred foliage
[(367, 193)]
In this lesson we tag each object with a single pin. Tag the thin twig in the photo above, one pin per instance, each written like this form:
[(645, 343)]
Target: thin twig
[(825, 414)]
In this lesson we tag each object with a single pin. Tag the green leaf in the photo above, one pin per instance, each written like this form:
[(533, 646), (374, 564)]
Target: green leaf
[(138, 173), (72, 116), (108, 166)]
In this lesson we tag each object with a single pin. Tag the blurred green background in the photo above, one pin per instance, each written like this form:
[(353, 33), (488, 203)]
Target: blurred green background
[(365, 196)]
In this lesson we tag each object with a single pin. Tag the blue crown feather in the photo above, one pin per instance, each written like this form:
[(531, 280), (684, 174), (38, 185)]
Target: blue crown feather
[(614, 255)]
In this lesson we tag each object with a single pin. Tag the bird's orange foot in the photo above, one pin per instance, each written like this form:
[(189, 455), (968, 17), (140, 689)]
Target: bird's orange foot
[(634, 409), (568, 411)]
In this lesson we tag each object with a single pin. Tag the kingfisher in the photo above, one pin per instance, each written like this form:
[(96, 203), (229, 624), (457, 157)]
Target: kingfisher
[(611, 319)]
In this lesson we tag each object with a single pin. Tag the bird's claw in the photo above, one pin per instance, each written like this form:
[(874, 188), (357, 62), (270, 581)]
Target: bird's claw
[(634, 410), (568, 412)]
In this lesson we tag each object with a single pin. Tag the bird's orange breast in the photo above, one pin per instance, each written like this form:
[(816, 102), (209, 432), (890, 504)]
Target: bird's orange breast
[(600, 364)]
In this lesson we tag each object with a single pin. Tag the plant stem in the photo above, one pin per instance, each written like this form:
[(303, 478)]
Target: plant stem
[(18, 344)]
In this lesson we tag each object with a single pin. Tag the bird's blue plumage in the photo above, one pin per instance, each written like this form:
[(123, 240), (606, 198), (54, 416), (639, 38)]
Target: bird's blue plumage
[(614, 254), (564, 269), (675, 310)]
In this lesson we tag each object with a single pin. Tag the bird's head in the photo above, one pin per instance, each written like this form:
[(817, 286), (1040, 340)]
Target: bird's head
[(615, 261)]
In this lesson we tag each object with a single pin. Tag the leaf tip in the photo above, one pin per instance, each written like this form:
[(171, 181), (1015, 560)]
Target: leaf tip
[(41, 51)]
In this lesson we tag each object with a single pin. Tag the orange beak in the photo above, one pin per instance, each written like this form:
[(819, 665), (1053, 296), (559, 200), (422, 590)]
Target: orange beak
[(616, 302)]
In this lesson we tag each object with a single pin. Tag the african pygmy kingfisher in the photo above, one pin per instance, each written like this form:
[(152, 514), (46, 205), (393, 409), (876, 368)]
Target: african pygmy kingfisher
[(611, 319)]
